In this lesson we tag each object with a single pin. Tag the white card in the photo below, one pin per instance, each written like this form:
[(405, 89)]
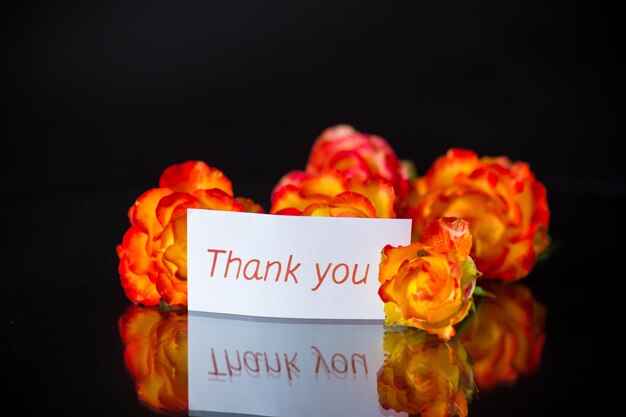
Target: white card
[(288, 266)]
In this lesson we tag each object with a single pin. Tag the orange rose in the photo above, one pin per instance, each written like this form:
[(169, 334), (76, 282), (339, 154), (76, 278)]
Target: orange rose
[(331, 193), (505, 336), (504, 203), (358, 156), (155, 355), (429, 284), (424, 376), (153, 252)]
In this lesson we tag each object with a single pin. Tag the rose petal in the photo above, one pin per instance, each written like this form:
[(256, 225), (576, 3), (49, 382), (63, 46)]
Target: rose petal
[(194, 175)]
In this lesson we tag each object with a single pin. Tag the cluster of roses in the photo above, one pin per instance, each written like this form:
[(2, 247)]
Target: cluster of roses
[(472, 217)]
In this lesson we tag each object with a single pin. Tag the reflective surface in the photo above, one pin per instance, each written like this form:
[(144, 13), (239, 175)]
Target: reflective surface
[(207, 363), (62, 305)]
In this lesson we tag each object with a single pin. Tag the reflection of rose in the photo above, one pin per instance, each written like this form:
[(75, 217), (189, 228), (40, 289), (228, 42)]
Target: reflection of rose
[(429, 284), (332, 194), (504, 203), (153, 257), (424, 376), (156, 356), (505, 336)]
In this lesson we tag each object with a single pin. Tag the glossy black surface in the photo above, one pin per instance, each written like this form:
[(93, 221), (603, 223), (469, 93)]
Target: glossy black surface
[(102, 98), (62, 300)]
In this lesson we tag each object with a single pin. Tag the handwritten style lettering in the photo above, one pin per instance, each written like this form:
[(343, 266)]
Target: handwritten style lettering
[(253, 269), (339, 274)]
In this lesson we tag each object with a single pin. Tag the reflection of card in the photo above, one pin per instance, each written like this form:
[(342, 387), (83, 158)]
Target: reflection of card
[(288, 266), (274, 367)]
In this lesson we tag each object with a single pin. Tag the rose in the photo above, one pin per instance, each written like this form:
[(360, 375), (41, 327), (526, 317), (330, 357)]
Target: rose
[(505, 336), (422, 375), (429, 284), (171, 281), (505, 205), (155, 355), (138, 267), (358, 156), (331, 193), (153, 258)]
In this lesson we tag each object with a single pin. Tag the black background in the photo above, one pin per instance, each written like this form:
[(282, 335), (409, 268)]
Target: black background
[(100, 98)]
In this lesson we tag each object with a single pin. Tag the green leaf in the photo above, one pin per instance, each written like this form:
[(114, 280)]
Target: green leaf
[(545, 255), (165, 308), (481, 292)]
